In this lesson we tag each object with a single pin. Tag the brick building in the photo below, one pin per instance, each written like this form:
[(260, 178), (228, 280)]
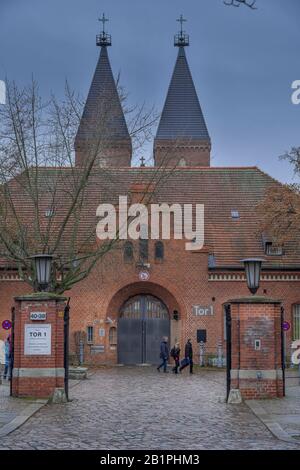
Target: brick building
[(144, 289)]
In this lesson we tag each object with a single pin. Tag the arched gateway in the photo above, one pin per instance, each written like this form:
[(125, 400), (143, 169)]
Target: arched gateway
[(143, 320)]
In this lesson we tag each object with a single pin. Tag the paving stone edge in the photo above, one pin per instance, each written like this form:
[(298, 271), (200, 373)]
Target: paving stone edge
[(29, 411), (269, 422)]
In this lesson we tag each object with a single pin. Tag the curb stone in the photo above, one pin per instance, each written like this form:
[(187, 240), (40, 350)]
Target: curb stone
[(270, 422), (29, 411)]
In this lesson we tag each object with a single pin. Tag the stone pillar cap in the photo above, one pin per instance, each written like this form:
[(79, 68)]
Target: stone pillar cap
[(254, 299), (41, 296)]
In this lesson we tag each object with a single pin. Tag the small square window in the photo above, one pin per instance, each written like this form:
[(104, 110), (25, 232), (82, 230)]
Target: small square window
[(235, 214), (49, 213)]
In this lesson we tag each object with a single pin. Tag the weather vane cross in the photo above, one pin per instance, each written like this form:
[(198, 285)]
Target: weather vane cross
[(103, 20), (181, 39), (181, 20)]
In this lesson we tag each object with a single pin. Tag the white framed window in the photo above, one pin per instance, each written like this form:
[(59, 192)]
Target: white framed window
[(90, 334), (273, 250), (296, 322), (113, 336)]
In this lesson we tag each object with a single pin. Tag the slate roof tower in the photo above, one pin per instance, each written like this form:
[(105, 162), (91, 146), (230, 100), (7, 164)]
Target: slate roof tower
[(182, 137), (103, 128)]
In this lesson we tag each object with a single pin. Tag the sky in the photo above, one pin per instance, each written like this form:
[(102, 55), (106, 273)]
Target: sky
[(243, 63)]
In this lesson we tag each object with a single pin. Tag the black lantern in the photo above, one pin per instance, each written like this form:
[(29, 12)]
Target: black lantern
[(176, 315), (42, 264), (252, 270)]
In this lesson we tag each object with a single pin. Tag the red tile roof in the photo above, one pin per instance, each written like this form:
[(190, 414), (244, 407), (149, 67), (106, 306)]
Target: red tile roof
[(221, 190)]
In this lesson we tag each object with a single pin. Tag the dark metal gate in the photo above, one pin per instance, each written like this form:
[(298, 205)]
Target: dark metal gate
[(66, 346), (143, 321), (12, 349), (282, 349), (228, 348)]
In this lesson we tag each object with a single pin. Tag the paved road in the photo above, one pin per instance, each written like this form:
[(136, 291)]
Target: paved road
[(138, 408)]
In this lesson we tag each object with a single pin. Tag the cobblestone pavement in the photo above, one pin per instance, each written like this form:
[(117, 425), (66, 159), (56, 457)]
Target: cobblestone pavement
[(139, 408), (10, 408), (14, 411)]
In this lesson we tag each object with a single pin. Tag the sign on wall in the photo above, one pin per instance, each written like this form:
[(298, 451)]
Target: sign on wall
[(6, 324), (37, 340), (97, 349), (202, 310), (38, 316)]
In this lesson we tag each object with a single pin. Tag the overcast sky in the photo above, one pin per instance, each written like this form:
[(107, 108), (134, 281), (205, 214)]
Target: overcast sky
[(243, 63)]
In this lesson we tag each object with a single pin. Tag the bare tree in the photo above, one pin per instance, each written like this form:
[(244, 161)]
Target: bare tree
[(280, 209), (236, 3), (44, 197)]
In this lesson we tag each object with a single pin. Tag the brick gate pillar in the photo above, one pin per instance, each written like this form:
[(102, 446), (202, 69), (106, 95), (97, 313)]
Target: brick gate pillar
[(256, 361), (38, 345)]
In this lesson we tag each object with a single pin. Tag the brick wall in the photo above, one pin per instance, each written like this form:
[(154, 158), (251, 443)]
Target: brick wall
[(30, 376), (170, 153), (256, 369), (180, 281), (118, 154)]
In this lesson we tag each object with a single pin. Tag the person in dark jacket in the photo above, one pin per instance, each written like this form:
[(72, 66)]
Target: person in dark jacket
[(164, 354), (7, 368), (188, 355), (175, 353)]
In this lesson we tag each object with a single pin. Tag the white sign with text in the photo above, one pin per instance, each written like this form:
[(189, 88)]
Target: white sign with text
[(37, 340)]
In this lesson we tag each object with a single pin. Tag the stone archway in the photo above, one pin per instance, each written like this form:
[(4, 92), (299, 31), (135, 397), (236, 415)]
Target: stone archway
[(169, 325)]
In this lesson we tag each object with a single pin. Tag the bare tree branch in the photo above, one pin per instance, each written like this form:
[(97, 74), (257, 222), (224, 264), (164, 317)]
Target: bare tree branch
[(236, 3)]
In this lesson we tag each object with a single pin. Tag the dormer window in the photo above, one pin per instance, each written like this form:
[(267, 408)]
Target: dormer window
[(235, 214), (273, 250), (49, 213)]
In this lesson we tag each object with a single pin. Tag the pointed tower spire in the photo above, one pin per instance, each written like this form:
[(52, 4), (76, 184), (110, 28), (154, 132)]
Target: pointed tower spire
[(103, 128), (182, 137)]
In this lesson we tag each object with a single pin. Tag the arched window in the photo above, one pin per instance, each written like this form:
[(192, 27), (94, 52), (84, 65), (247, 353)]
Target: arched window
[(143, 249), (113, 336), (182, 162), (128, 252), (159, 251)]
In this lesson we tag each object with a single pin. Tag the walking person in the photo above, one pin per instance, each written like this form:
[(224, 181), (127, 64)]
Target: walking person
[(164, 354), (175, 353), (188, 357), (7, 350)]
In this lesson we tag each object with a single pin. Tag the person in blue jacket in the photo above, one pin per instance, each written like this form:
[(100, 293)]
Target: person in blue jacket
[(7, 350), (164, 354)]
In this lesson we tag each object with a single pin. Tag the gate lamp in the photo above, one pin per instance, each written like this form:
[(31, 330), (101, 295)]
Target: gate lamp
[(42, 265), (252, 270)]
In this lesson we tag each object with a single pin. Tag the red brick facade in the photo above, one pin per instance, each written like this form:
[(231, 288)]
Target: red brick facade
[(169, 153), (182, 280)]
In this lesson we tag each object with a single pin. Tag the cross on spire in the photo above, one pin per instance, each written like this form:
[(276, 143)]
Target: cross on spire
[(142, 160), (103, 20), (103, 39), (181, 20), (181, 39)]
